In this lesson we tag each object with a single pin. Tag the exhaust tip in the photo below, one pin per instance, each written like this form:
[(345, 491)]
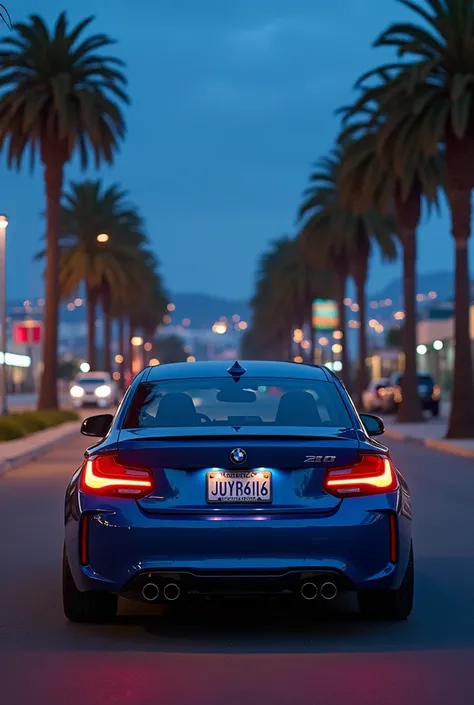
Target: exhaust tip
[(309, 591), (150, 592), (328, 591), (171, 592)]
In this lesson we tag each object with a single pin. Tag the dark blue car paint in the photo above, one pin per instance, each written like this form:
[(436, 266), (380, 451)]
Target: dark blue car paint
[(304, 528)]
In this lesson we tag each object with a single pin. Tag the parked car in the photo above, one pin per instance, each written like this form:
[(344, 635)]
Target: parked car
[(374, 396), (428, 391), (94, 389)]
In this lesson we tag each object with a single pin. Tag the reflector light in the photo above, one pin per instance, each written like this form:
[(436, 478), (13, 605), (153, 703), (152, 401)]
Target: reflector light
[(84, 539), (105, 476), (373, 474), (393, 538)]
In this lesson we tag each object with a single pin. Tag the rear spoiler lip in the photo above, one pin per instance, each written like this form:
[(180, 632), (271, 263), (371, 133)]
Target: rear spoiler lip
[(242, 434)]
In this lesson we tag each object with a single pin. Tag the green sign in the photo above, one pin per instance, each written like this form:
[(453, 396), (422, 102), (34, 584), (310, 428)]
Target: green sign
[(325, 315)]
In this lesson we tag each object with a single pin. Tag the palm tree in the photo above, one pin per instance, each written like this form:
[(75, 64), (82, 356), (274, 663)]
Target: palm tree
[(5, 16), (286, 287), (369, 181), (344, 237), (430, 104), (145, 304), (59, 96), (88, 210)]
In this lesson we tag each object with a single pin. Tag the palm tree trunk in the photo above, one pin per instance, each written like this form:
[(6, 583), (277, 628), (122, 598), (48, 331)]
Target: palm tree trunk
[(360, 278), (131, 349), (462, 400), (91, 301), (341, 270), (48, 397), (410, 408), (121, 351), (107, 330)]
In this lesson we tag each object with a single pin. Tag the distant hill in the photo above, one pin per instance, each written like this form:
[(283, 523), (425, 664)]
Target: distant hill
[(204, 310), (440, 282)]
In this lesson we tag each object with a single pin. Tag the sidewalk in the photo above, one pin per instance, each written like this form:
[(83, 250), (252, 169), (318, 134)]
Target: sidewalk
[(22, 450), (431, 434)]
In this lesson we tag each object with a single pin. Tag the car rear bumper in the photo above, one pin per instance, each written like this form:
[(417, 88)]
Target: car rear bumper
[(124, 546)]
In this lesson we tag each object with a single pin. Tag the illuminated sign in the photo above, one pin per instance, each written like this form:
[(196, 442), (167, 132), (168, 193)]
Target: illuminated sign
[(14, 360), (27, 333), (325, 315)]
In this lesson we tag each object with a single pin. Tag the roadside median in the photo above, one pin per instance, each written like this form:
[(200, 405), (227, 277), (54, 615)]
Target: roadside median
[(28, 435), (431, 435)]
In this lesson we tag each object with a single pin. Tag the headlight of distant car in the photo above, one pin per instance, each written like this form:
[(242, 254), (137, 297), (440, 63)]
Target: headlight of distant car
[(103, 391), (76, 392)]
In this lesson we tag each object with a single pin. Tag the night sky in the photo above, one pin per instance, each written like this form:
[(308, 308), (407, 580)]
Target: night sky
[(231, 103)]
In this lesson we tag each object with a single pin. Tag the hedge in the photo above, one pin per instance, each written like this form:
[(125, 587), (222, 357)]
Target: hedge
[(22, 424)]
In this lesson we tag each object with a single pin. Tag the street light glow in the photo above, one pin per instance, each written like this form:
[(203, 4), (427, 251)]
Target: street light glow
[(438, 345), (421, 349), (85, 367), (136, 341), (103, 237), (119, 359), (219, 328)]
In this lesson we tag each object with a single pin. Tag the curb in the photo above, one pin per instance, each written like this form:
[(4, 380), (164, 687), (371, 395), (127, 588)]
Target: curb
[(433, 443), (26, 456)]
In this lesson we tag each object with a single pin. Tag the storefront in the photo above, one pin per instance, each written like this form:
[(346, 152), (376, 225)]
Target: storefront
[(19, 377), (435, 338)]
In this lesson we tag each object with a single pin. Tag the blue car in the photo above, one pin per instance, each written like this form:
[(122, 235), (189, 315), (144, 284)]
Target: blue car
[(258, 479)]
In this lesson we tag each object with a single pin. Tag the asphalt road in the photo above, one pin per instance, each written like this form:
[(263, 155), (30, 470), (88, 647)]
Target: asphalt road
[(237, 655)]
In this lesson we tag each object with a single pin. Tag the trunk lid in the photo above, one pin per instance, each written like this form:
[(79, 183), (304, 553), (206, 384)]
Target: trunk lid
[(185, 467)]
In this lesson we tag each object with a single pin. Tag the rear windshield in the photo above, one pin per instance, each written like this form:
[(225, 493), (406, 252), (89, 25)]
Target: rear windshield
[(224, 402), (91, 380), (422, 379)]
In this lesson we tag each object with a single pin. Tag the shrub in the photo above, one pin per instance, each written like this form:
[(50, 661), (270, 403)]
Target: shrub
[(21, 424), (10, 429)]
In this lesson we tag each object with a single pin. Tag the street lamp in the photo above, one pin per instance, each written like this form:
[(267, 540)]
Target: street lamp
[(103, 237), (3, 316)]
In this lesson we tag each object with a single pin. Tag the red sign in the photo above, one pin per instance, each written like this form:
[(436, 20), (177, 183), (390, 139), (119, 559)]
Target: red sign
[(27, 333)]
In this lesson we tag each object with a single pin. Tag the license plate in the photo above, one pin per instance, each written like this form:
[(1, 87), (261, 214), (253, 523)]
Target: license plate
[(239, 487)]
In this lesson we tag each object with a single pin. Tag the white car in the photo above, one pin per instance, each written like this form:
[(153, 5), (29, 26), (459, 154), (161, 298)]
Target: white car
[(374, 396), (94, 389)]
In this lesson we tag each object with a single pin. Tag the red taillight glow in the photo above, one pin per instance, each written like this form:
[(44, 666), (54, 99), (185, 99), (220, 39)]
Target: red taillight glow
[(373, 474), (103, 475)]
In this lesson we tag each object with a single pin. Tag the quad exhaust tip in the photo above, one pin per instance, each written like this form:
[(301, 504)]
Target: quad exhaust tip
[(150, 592), (309, 591), (328, 591), (171, 592)]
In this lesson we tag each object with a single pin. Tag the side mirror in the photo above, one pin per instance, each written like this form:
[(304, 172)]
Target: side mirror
[(97, 426), (373, 424)]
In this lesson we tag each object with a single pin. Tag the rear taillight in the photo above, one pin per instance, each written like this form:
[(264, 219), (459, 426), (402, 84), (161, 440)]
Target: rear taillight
[(436, 392), (103, 475), (373, 474)]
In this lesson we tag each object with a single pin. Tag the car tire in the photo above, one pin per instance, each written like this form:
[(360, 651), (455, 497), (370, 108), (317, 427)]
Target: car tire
[(86, 607), (435, 409), (391, 605)]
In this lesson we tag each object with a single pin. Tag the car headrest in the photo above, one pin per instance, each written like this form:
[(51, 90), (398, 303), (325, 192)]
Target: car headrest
[(298, 409), (176, 409)]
